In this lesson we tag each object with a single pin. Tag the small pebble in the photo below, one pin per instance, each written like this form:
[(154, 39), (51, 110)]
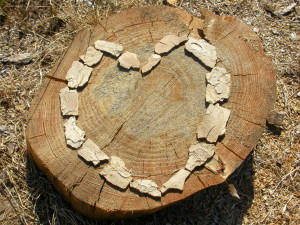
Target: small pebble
[(275, 32), (293, 36), (255, 29)]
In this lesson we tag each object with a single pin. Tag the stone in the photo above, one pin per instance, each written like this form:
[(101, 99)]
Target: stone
[(69, 102), (116, 173), (129, 60), (199, 154), (91, 57), (78, 75), (74, 135), (153, 60), (205, 52), (276, 118), (90, 152), (214, 123), (176, 181), (109, 47), (146, 186), (166, 44), (218, 85)]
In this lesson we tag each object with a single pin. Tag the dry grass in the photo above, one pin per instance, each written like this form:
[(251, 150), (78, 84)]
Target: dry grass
[(267, 182)]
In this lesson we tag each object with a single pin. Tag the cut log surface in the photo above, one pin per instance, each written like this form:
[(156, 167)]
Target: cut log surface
[(150, 121)]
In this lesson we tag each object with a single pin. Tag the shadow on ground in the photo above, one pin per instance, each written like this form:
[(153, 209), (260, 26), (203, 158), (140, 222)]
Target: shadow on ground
[(212, 206)]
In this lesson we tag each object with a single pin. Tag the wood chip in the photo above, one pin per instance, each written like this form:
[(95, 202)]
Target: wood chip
[(232, 190), (218, 85), (116, 173), (74, 135), (153, 60), (215, 165), (21, 59), (78, 75), (92, 56), (214, 123), (199, 154), (90, 152), (129, 60), (109, 47), (176, 181), (146, 186), (205, 52), (68, 102), (168, 43)]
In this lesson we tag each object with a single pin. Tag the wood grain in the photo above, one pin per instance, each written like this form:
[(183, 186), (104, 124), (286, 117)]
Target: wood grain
[(150, 121)]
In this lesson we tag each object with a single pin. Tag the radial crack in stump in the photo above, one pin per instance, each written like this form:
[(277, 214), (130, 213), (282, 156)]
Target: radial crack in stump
[(168, 43), (218, 85), (176, 181), (205, 52), (91, 57), (129, 60), (74, 135), (199, 154), (78, 75), (68, 102), (90, 152), (146, 186), (214, 123), (116, 173), (153, 60), (109, 47)]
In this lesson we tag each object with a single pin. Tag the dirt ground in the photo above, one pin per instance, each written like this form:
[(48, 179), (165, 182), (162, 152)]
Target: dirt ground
[(267, 182)]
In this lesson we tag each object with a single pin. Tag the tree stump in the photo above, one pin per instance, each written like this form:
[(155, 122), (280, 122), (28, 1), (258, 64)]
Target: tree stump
[(150, 121)]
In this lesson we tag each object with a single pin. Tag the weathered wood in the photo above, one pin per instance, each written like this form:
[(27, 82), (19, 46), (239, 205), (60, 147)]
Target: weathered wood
[(151, 121)]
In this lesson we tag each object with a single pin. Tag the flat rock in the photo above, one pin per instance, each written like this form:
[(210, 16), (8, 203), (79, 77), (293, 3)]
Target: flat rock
[(74, 135), (199, 154), (129, 60), (205, 52), (176, 181), (116, 173), (146, 186), (90, 152), (78, 75), (214, 123), (68, 102), (92, 56), (168, 43), (218, 85), (153, 60), (109, 47)]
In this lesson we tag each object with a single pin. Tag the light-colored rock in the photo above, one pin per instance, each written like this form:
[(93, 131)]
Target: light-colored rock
[(199, 154), (90, 152), (78, 75), (146, 186), (168, 43), (116, 173), (153, 60), (176, 181), (276, 118), (215, 165), (74, 135), (129, 60), (218, 85), (68, 102), (92, 56), (109, 47), (23, 58), (214, 123), (205, 52)]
